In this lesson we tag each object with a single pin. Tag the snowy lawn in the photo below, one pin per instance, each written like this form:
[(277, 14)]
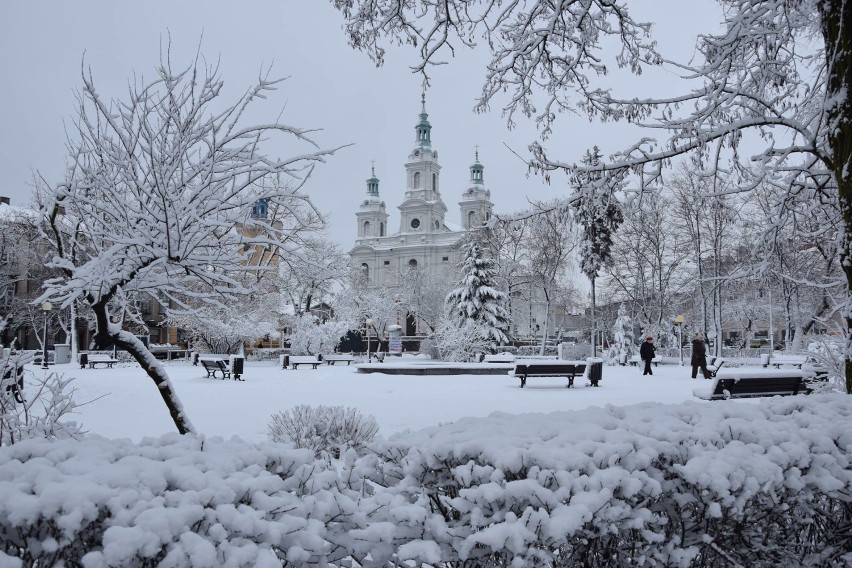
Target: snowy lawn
[(126, 403)]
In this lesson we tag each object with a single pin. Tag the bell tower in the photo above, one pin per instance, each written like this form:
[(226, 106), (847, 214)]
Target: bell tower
[(371, 215), (423, 209), (476, 206)]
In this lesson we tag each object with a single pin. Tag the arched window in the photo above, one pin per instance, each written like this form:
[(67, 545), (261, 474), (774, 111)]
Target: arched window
[(470, 217), (437, 225), (381, 229), (435, 182), (365, 270), (416, 180), (412, 263), (366, 228)]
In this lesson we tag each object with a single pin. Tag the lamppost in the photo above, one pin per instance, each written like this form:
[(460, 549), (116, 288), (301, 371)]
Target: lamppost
[(678, 321), (368, 324), (45, 307)]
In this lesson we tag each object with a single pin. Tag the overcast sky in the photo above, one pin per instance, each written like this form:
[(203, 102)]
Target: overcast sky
[(330, 86)]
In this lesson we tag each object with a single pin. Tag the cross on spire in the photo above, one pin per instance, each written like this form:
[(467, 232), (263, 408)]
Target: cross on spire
[(477, 152)]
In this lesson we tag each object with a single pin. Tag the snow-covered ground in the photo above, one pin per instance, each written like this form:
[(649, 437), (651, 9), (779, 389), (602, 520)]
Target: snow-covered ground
[(125, 403)]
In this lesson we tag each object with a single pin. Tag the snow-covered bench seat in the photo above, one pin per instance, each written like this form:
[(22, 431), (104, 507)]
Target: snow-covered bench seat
[(778, 360), (295, 360), (213, 366), (636, 360), (332, 359), (92, 359), (714, 366), (499, 358), (745, 383), (552, 368)]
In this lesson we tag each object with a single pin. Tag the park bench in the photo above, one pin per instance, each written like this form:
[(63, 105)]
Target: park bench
[(499, 358), (714, 366), (754, 383), (92, 359), (12, 373), (213, 366), (778, 360), (636, 360), (295, 360), (550, 368), (332, 359)]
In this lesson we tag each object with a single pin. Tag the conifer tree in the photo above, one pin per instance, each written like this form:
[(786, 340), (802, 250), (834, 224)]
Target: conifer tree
[(623, 333), (477, 299)]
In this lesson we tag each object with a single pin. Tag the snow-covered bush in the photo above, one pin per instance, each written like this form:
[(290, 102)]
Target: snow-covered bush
[(694, 484), (323, 429), (460, 339), (312, 337), (47, 402), (624, 345)]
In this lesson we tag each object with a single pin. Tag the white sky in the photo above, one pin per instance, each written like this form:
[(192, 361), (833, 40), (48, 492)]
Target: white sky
[(330, 87)]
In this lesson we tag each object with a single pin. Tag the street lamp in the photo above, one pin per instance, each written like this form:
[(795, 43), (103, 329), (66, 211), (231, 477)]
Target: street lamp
[(45, 307), (369, 324), (678, 321)]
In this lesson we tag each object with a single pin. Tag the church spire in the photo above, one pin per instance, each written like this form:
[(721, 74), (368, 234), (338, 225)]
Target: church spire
[(373, 182), (477, 171), (423, 128)]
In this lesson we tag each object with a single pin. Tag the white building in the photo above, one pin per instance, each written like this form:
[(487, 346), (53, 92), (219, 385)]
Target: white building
[(425, 239)]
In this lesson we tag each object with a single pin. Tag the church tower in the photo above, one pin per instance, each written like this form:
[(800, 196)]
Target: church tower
[(423, 209), (371, 215), (476, 205)]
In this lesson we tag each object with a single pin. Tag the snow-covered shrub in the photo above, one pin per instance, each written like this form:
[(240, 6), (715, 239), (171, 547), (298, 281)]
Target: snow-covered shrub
[(47, 402), (693, 484), (311, 337), (460, 340), (323, 429)]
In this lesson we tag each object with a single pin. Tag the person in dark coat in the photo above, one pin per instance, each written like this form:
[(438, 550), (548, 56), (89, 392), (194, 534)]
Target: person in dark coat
[(646, 353), (699, 356)]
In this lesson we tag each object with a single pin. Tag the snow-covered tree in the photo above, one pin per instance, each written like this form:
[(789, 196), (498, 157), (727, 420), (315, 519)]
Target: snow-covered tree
[(460, 339), (598, 212), (158, 198), (776, 69), (477, 299), (310, 336), (423, 293), (309, 272), (622, 331)]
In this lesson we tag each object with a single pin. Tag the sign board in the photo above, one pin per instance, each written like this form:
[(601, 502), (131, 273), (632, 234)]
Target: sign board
[(395, 344)]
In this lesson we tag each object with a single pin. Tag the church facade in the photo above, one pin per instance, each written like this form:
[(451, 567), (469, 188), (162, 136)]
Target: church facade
[(425, 238)]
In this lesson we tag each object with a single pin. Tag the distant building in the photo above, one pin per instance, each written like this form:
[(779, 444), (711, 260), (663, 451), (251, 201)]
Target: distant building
[(425, 239)]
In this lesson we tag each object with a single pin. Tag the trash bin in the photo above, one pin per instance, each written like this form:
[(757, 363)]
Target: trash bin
[(84, 360), (237, 366), (62, 354), (285, 361), (595, 370)]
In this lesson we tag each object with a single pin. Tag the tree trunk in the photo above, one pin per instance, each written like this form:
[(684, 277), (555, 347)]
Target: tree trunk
[(837, 32), (112, 333), (594, 323)]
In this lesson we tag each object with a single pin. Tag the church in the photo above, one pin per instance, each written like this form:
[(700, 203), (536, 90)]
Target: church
[(426, 239)]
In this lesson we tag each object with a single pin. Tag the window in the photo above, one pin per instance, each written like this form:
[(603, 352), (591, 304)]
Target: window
[(435, 182), (365, 270), (381, 229), (366, 228), (412, 263), (437, 225), (445, 258), (469, 220), (416, 181), (387, 263), (415, 223)]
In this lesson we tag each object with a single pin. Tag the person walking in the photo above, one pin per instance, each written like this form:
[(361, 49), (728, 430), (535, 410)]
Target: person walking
[(646, 353), (699, 356)]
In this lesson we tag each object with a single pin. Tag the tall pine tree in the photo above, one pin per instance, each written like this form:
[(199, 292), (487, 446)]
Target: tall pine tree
[(476, 299)]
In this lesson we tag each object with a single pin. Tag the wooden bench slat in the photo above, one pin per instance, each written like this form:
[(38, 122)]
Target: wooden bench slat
[(550, 369)]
